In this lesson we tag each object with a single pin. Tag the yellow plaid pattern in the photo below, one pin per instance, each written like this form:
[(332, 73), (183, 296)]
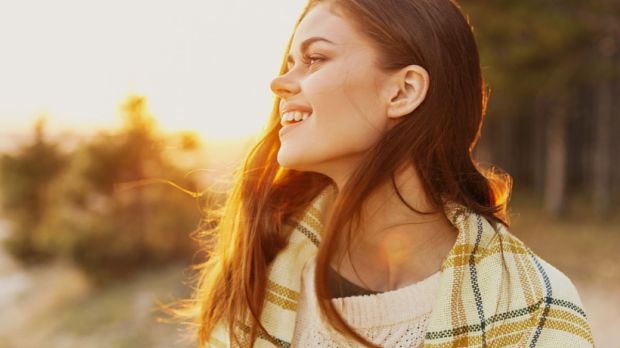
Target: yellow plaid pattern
[(494, 291)]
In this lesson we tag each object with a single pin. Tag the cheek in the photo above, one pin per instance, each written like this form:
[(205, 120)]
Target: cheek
[(346, 120), (349, 110), (345, 97)]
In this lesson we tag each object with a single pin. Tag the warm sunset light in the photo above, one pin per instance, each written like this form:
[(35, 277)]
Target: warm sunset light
[(444, 175), (202, 66)]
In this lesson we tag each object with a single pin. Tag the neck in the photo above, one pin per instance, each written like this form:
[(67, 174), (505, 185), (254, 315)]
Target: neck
[(393, 246)]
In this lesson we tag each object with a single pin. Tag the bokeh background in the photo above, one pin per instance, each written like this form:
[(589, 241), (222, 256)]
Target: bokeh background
[(121, 122)]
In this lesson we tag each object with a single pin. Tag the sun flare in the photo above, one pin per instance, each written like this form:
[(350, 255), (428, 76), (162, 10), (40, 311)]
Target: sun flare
[(197, 67)]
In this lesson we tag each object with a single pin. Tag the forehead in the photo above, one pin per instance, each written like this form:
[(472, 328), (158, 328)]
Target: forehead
[(325, 21)]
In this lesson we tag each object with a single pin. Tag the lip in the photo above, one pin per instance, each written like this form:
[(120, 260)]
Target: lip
[(288, 127), (290, 107)]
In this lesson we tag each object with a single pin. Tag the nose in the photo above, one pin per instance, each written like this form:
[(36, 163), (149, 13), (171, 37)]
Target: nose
[(284, 86)]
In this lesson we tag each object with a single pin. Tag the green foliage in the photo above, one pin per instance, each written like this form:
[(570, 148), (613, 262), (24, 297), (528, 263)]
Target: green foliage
[(530, 48), (25, 179), (105, 208)]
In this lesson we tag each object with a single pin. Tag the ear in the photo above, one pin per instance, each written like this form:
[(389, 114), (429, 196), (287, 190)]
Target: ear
[(408, 88)]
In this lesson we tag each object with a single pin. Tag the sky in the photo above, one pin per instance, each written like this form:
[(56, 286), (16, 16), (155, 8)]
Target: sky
[(203, 65)]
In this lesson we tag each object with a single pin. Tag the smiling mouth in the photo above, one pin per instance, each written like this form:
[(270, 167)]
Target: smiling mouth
[(288, 123)]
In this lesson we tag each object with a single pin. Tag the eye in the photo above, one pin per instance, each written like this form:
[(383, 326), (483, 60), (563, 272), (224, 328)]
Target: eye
[(307, 59)]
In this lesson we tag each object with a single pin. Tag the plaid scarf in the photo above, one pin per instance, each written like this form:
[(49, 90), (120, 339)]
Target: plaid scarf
[(480, 303)]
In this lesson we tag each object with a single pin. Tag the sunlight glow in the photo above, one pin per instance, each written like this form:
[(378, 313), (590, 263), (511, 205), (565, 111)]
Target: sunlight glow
[(203, 66)]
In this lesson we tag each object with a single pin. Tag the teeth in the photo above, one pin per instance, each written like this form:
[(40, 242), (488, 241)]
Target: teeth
[(295, 116)]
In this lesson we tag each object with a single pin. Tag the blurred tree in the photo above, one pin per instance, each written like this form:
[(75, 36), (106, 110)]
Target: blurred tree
[(552, 67), (109, 206), (25, 181), (116, 216)]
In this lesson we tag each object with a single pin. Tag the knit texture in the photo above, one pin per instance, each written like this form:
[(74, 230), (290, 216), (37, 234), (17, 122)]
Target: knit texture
[(481, 302), (380, 317)]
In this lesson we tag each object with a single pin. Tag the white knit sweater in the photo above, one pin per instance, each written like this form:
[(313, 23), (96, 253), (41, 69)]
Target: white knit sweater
[(396, 318)]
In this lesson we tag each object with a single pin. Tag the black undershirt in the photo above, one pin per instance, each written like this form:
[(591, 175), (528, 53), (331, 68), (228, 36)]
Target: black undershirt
[(339, 286)]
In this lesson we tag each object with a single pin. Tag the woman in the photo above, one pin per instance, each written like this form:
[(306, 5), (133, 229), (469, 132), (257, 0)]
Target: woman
[(361, 217)]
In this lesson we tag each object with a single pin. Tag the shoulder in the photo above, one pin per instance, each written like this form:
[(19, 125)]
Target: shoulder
[(561, 317), (495, 284), (559, 284), (556, 282), (553, 282), (564, 317)]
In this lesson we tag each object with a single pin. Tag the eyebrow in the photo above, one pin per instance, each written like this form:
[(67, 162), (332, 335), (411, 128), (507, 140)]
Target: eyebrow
[(307, 43)]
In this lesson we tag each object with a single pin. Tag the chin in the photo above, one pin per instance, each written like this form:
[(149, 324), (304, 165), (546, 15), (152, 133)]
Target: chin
[(286, 159), (291, 160)]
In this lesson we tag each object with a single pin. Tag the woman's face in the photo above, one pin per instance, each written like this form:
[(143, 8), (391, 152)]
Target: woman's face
[(342, 86)]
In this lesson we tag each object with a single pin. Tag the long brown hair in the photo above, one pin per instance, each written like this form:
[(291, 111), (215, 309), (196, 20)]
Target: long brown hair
[(438, 137)]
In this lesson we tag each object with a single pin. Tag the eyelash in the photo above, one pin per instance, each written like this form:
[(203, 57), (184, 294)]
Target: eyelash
[(306, 59)]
